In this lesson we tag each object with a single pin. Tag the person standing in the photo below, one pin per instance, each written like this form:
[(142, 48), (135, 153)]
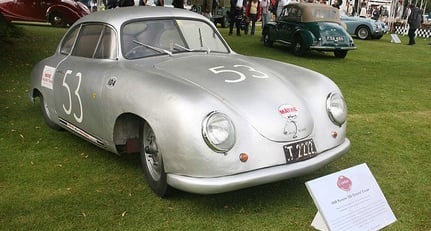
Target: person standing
[(142, 2), (236, 14), (252, 12), (266, 14), (178, 4), (414, 21), (206, 8)]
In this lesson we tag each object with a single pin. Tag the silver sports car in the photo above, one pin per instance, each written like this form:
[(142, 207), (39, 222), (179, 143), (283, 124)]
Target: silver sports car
[(164, 83)]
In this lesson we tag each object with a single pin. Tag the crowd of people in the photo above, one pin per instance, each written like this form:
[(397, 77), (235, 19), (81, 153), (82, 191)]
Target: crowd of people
[(246, 12)]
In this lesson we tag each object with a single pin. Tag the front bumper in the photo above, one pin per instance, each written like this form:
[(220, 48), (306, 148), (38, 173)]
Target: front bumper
[(256, 177)]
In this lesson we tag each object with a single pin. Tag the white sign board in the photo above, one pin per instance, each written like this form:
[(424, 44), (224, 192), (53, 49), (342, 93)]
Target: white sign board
[(395, 38), (349, 200)]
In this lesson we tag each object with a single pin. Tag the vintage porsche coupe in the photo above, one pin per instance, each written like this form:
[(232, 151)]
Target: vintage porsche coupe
[(309, 26), (163, 82)]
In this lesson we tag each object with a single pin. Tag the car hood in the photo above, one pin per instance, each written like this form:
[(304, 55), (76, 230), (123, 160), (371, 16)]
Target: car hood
[(263, 97)]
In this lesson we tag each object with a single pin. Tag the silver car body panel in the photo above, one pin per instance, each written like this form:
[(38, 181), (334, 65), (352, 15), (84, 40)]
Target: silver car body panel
[(174, 93)]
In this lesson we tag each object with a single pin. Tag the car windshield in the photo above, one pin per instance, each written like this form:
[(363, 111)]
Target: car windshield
[(168, 36)]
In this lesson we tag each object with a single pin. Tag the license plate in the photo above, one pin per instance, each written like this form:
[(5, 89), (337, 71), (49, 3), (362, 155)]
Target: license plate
[(334, 38), (300, 151)]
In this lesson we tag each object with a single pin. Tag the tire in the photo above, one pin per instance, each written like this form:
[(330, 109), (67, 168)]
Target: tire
[(299, 47), (340, 54), (363, 32), (57, 20), (267, 39), (47, 115), (152, 162)]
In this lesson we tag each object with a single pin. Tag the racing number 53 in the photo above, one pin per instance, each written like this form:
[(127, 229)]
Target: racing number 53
[(68, 109), (242, 76)]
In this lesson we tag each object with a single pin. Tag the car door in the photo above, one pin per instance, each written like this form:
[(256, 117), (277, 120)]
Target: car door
[(80, 79), (288, 23)]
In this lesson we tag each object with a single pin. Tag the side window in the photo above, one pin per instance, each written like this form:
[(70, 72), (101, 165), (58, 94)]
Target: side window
[(107, 46), (294, 14), (88, 40), (69, 39)]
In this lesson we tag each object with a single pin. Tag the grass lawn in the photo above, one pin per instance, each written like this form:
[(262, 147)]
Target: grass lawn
[(56, 181)]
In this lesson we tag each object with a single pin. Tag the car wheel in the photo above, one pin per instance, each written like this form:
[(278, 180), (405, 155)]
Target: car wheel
[(267, 39), (57, 20), (363, 32), (299, 47), (340, 54), (47, 115), (152, 162)]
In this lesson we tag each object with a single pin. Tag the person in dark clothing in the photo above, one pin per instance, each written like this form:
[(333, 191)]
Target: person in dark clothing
[(236, 14), (124, 3), (142, 2), (178, 3), (414, 21), (111, 4)]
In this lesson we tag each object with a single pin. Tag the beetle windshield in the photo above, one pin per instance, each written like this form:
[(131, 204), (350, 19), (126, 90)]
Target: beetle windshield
[(169, 36)]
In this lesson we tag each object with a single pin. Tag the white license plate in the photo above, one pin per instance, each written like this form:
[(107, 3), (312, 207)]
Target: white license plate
[(334, 38), (300, 151)]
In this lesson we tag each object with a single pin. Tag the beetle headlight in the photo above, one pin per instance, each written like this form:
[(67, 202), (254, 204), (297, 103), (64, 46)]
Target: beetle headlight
[(336, 108), (218, 132)]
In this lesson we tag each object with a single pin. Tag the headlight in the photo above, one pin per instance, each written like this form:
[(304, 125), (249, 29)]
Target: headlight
[(336, 108), (218, 132)]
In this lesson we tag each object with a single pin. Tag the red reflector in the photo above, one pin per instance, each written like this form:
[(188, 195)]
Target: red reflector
[(243, 157)]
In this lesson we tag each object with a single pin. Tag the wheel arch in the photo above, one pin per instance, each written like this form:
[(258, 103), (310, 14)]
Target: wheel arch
[(127, 129), (306, 35), (361, 26)]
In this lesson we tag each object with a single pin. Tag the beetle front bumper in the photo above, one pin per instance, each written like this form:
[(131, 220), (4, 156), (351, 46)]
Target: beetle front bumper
[(256, 177)]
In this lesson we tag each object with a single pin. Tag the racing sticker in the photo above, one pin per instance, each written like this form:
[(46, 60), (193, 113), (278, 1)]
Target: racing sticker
[(290, 113), (47, 79)]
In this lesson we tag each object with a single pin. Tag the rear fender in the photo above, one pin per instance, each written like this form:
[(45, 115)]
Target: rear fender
[(306, 36)]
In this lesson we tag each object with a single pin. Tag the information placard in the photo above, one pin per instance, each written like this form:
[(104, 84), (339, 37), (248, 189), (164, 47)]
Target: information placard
[(395, 38), (349, 200)]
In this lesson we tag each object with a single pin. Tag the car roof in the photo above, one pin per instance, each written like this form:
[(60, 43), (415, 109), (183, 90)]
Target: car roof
[(117, 16), (309, 8)]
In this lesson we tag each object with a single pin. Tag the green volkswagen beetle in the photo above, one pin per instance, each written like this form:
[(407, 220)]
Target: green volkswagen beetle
[(308, 26)]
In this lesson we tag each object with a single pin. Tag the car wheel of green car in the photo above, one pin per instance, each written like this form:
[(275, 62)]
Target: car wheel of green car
[(299, 47), (340, 54), (152, 162), (267, 40)]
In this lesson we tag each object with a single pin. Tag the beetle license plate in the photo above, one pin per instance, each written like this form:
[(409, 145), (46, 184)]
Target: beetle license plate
[(299, 151)]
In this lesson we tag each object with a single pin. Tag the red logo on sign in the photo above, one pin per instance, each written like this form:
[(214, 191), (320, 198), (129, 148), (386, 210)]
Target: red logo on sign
[(344, 183)]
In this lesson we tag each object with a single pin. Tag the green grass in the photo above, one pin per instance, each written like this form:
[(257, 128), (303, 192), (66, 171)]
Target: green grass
[(56, 181)]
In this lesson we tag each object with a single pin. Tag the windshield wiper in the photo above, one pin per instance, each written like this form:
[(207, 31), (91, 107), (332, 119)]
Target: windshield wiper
[(157, 49), (183, 47)]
